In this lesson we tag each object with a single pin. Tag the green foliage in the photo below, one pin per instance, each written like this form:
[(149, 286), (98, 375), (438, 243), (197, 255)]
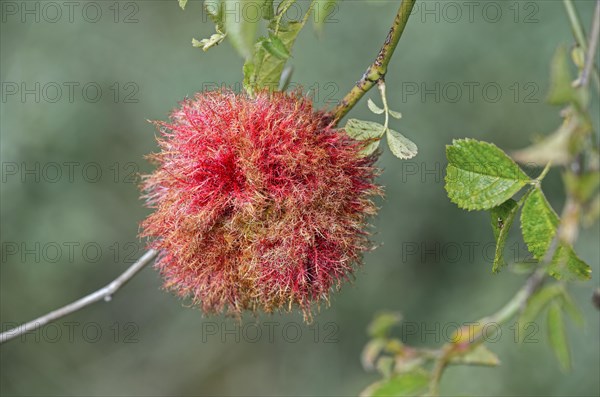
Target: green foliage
[(414, 383), (214, 9), (539, 225), (240, 29), (410, 371), (394, 114), (371, 133), (566, 265), (557, 336), (555, 299), (582, 186), (265, 58), (557, 147), (401, 147), (538, 302), (368, 131), (382, 325), (562, 91), (569, 307), (268, 12), (373, 107), (480, 176), (502, 218), (276, 47), (479, 355), (213, 40), (264, 68)]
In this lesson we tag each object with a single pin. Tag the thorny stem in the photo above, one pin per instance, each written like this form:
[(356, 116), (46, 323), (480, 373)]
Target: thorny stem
[(105, 293), (377, 70)]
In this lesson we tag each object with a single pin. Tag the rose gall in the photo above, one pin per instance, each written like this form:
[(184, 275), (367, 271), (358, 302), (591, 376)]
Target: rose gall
[(259, 203)]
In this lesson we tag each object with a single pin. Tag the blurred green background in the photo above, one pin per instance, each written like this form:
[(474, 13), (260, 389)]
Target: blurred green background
[(153, 344)]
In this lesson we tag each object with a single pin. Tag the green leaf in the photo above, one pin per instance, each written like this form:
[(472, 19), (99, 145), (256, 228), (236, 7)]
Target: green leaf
[(182, 4), (283, 6), (582, 186), (538, 302), (568, 305), (371, 352), (539, 223), (212, 41), (553, 148), (267, 69), (566, 265), (240, 28), (558, 337), (561, 82), (382, 324), (413, 383), (370, 148), (362, 129), (480, 176), (268, 12), (374, 108), (249, 75), (479, 355), (401, 147), (275, 47), (214, 9), (367, 131), (578, 57), (385, 366), (561, 90), (396, 115), (502, 218)]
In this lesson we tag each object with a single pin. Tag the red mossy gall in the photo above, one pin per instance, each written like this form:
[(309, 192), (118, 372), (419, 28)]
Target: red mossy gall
[(259, 203)]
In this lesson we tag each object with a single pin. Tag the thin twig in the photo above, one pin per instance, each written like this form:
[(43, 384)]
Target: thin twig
[(579, 34), (377, 70), (593, 45), (105, 293), (576, 26)]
